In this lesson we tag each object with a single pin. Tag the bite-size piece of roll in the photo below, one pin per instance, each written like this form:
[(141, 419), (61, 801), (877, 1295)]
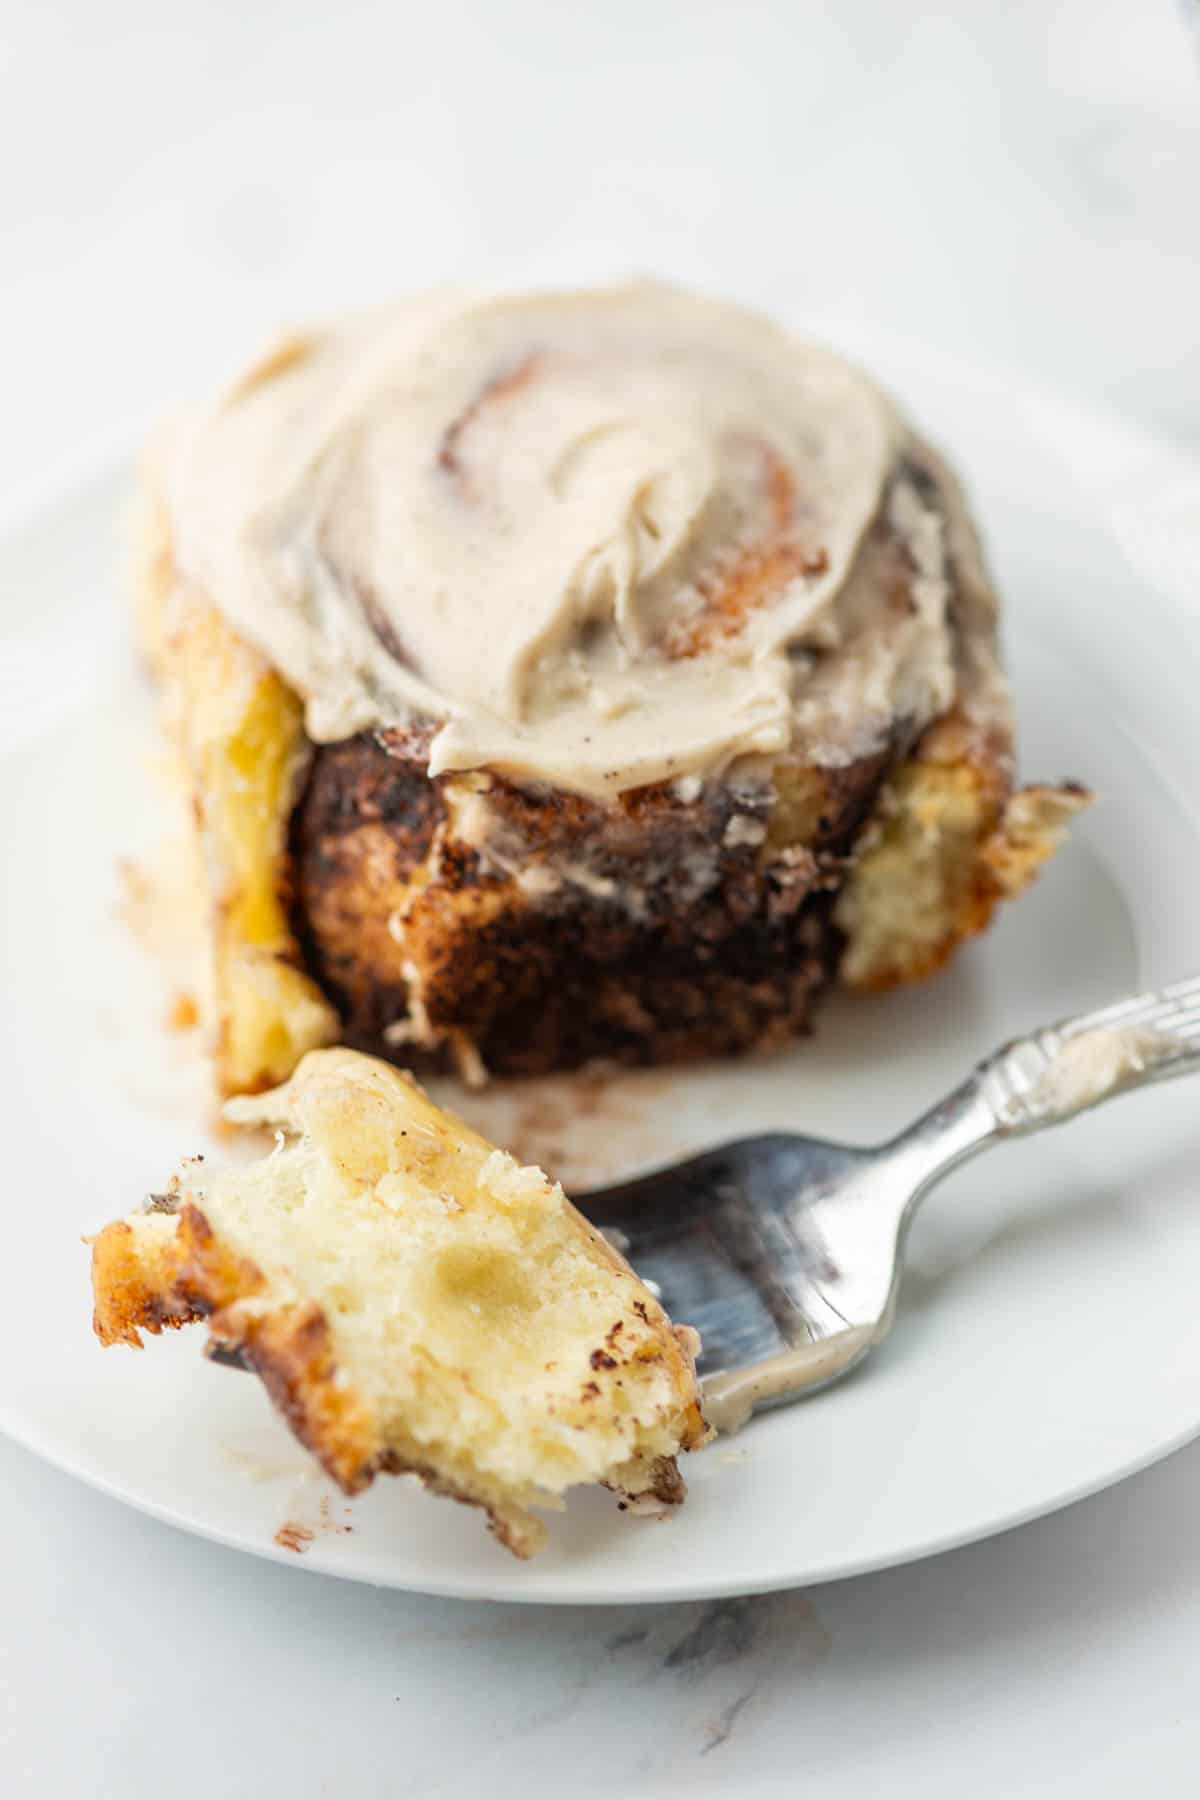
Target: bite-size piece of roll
[(413, 1302)]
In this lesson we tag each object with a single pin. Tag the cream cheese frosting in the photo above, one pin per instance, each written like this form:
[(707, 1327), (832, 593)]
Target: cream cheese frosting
[(598, 540)]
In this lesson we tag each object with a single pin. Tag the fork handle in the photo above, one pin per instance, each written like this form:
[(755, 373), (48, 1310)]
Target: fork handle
[(1062, 1070), (1050, 1076)]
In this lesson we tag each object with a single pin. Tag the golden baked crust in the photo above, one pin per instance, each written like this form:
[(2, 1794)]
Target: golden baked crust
[(141, 1284), (241, 734), (414, 1302), (948, 842)]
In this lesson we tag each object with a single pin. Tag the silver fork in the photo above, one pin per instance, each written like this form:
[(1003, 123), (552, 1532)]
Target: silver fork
[(785, 1252)]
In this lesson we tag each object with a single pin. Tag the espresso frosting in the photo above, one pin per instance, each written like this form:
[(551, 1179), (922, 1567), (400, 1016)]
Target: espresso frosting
[(598, 540)]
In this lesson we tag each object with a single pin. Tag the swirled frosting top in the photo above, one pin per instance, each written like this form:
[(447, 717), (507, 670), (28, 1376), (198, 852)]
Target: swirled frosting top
[(598, 539)]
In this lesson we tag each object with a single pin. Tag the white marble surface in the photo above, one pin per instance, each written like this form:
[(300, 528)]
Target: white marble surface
[(1017, 180)]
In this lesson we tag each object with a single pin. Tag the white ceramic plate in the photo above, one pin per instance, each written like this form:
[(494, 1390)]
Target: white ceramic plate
[(1049, 1337)]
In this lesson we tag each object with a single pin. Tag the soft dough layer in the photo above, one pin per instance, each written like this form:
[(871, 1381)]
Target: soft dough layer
[(414, 1301)]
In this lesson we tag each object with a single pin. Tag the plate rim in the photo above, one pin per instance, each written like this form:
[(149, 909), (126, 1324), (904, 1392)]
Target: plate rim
[(508, 1589), (68, 480)]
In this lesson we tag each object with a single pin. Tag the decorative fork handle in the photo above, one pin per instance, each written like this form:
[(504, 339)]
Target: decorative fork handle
[(1051, 1076), (1063, 1069)]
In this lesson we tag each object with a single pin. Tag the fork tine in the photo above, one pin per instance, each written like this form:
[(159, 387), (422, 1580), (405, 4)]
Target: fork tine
[(1175, 1009)]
